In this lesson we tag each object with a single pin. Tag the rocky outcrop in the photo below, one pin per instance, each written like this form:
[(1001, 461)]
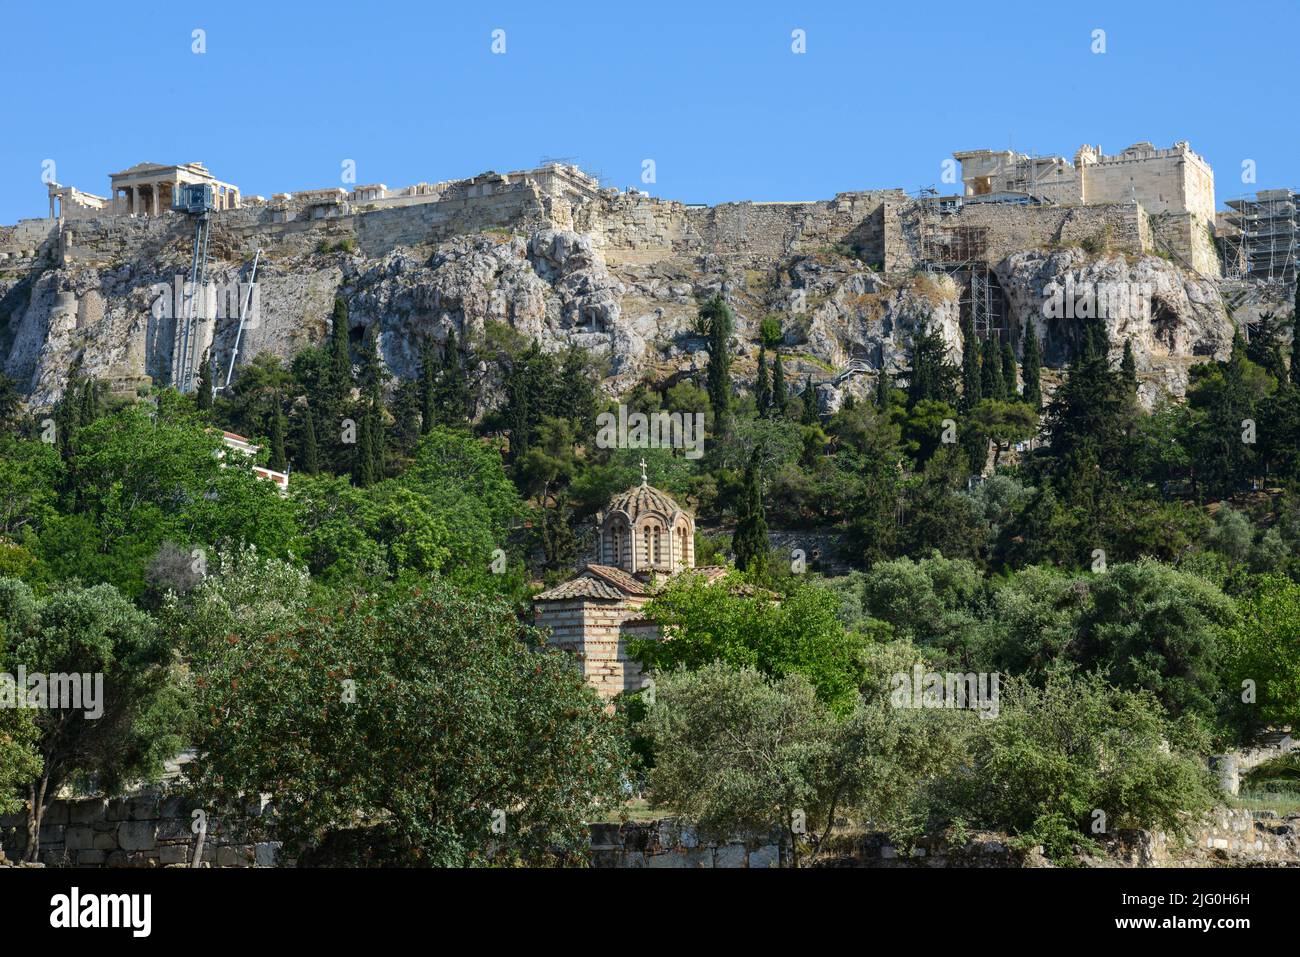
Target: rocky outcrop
[(627, 285)]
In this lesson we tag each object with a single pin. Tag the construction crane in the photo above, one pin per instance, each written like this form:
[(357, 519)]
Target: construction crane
[(197, 200)]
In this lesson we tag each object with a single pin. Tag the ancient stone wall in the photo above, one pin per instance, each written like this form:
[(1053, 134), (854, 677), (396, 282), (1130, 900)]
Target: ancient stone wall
[(153, 830), (23, 245), (669, 843), (148, 830), (990, 232)]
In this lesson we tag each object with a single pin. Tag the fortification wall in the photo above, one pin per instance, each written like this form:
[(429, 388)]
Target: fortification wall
[(24, 244), (1189, 239), (993, 231)]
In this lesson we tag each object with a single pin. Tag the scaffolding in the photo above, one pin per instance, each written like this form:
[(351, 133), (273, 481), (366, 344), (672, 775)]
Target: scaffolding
[(982, 299), (1260, 236)]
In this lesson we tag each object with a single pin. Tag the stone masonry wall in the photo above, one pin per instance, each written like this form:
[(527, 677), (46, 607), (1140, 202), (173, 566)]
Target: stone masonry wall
[(1006, 228), (670, 844), (153, 830), (147, 830)]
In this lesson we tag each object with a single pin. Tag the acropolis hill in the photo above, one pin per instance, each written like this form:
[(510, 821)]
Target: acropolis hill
[(563, 260)]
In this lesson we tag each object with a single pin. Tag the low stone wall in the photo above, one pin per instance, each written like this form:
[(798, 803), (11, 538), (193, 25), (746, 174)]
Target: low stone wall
[(671, 844), (147, 830), (155, 831)]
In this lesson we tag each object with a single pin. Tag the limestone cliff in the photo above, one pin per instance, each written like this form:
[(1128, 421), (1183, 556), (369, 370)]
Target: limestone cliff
[(621, 275)]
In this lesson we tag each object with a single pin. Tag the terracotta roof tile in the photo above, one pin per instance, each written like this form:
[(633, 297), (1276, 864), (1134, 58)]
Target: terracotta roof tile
[(628, 583), (582, 587)]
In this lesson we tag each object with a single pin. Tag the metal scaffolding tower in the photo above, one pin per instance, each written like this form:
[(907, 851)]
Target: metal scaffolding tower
[(197, 200), (1262, 236)]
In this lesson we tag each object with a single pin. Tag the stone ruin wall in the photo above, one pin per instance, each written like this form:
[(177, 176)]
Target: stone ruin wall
[(151, 830), (147, 830), (641, 229), (1003, 229)]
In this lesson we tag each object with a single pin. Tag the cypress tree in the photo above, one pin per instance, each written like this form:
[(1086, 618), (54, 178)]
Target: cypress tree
[(809, 398), (718, 316), (278, 461), (203, 397), (1031, 365), (89, 402), (780, 396), (452, 386), (971, 382), (340, 376), (1295, 336), (1009, 371), (1128, 368), (371, 374), (991, 384), (930, 374), (762, 388), (363, 460), (750, 541), (884, 390), (427, 388), (310, 458)]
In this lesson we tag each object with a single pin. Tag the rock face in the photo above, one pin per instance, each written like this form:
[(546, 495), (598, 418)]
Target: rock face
[(622, 276)]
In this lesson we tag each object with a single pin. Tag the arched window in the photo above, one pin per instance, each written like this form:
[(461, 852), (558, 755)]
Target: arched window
[(658, 556), (648, 558), (616, 533), (681, 536)]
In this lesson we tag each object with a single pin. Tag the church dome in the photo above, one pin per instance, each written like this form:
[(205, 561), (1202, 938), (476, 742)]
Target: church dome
[(644, 531), (643, 498)]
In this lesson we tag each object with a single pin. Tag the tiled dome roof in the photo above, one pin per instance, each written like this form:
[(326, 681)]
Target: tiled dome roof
[(643, 498)]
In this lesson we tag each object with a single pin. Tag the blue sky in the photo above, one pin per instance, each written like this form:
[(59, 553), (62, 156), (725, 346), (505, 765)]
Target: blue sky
[(711, 92)]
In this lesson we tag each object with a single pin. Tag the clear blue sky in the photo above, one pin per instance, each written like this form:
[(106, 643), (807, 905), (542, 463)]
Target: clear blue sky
[(712, 93)]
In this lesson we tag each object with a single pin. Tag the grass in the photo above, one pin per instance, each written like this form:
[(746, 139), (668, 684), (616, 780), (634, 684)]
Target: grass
[(1281, 802), (638, 809)]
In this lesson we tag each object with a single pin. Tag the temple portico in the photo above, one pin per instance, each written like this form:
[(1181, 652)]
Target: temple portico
[(146, 189)]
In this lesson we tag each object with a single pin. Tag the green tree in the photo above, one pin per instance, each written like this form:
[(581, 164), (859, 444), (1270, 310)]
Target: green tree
[(809, 398), (798, 632), (1225, 395), (428, 387), (1009, 372), (991, 382), (309, 456), (278, 461), (1056, 753), (931, 376), (428, 711), (1295, 338), (1262, 661), (1155, 628), (762, 386), (1128, 368), (1031, 365), (717, 315), (205, 389), (972, 384), (123, 727), (452, 391), (780, 394), (743, 754), (340, 366), (750, 539)]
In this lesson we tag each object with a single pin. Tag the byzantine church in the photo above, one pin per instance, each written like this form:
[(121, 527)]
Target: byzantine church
[(644, 538)]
